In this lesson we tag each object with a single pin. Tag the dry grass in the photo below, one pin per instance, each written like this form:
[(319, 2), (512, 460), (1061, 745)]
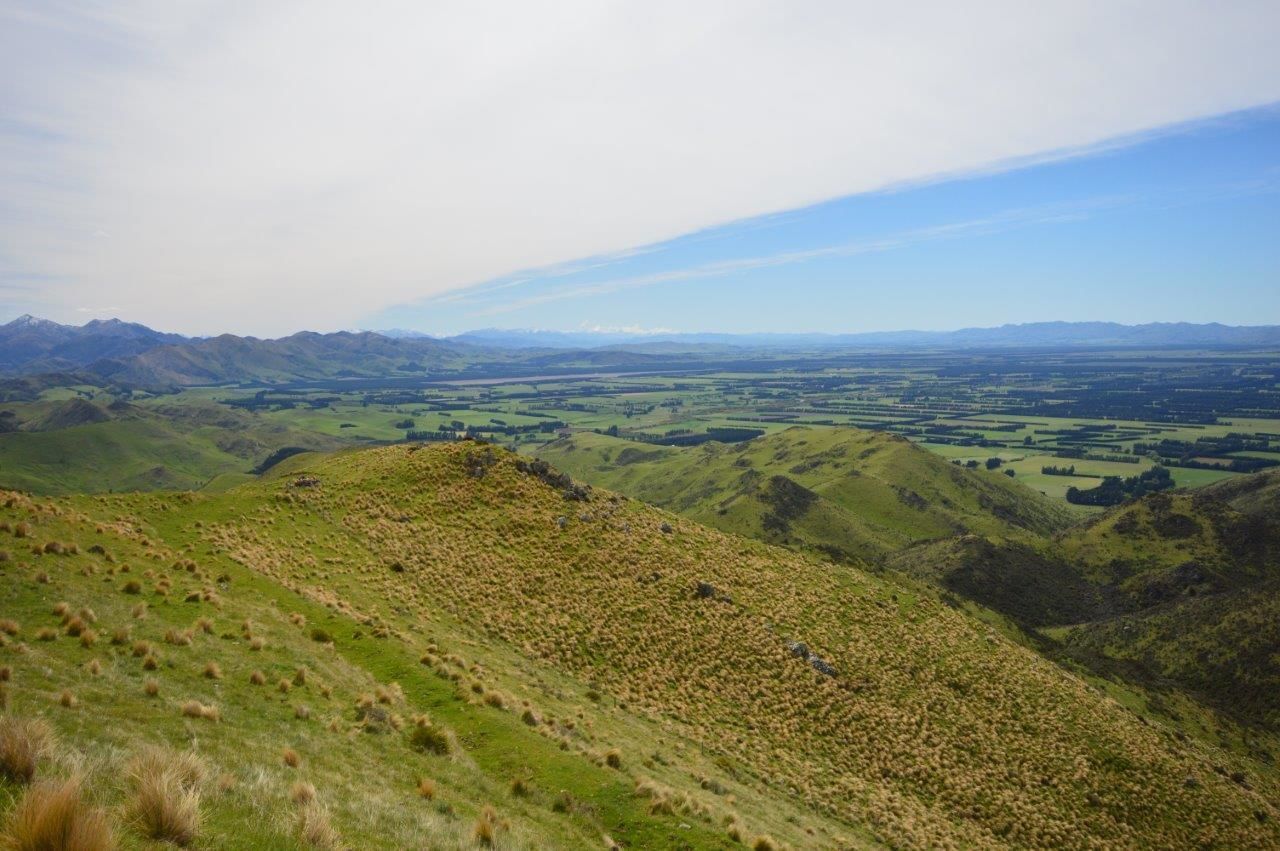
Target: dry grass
[(258, 678), (23, 743), (196, 709), (212, 671), (66, 699), (302, 792), (291, 758), (53, 816), (485, 831), (314, 829), (427, 788), (151, 687), (166, 796)]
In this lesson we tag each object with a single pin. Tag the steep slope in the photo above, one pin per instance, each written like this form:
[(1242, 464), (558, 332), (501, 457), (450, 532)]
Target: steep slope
[(1201, 574), (846, 492), (1177, 589)]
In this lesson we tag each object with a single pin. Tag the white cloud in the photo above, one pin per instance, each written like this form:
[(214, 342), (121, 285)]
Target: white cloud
[(264, 167)]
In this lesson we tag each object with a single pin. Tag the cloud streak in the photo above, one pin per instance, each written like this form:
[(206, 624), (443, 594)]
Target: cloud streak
[(267, 167), (973, 227)]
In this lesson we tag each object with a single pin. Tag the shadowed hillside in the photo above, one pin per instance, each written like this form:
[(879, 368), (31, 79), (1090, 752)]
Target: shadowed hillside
[(845, 492), (1177, 589)]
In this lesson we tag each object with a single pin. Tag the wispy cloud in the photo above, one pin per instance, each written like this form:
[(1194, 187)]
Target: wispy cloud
[(1055, 213), (321, 161)]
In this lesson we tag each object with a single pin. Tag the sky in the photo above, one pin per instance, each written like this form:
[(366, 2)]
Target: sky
[(712, 166)]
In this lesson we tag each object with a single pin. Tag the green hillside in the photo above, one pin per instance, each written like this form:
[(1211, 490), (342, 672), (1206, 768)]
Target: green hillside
[(1176, 590), (564, 668), (76, 446), (845, 492)]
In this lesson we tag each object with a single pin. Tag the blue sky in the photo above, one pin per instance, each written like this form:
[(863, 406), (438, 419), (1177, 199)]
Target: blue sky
[(265, 168), (1180, 225)]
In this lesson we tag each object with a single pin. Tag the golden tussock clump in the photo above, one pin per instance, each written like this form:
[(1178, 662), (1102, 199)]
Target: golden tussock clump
[(613, 758), (258, 678), (196, 709), (151, 687), (314, 829), (212, 671), (67, 699), (302, 792), (9, 626), (427, 788), (764, 843), (46, 633), (166, 796), (180, 638), (485, 831), (121, 635), (291, 758), (23, 743), (88, 638), (53, 816)]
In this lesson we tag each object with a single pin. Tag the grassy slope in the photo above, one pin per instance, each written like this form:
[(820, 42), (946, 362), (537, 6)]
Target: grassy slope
[(1201, 572), (1176, 590), (140, 448), (935, 731), (875, 492)]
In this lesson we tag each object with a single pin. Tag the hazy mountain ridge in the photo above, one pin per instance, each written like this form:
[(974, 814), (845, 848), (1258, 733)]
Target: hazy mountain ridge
[(134, 355), (1024, 334), (29, 344)]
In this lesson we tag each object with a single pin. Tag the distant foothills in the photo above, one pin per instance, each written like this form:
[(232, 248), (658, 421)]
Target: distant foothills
[(132, 355)]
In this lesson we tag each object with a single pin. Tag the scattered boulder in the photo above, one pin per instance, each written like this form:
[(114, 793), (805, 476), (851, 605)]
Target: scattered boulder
[(801, 651), (549, 475), (306, 481)]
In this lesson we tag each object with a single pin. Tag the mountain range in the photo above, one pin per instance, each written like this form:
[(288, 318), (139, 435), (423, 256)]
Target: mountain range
[(132, 355)]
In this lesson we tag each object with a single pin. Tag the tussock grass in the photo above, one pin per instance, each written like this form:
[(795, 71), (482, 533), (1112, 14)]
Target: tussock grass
[(23, 743), (314, 828), (53, 816), (166, 798)]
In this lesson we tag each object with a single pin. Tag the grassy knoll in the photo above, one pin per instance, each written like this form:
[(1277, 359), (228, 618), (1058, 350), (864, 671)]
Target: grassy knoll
[(843, 491)]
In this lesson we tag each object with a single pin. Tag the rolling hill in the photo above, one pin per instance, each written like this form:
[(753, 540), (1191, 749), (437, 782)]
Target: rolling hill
[(80, 446), (1175, 590), (845, 492), (452, 645)]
